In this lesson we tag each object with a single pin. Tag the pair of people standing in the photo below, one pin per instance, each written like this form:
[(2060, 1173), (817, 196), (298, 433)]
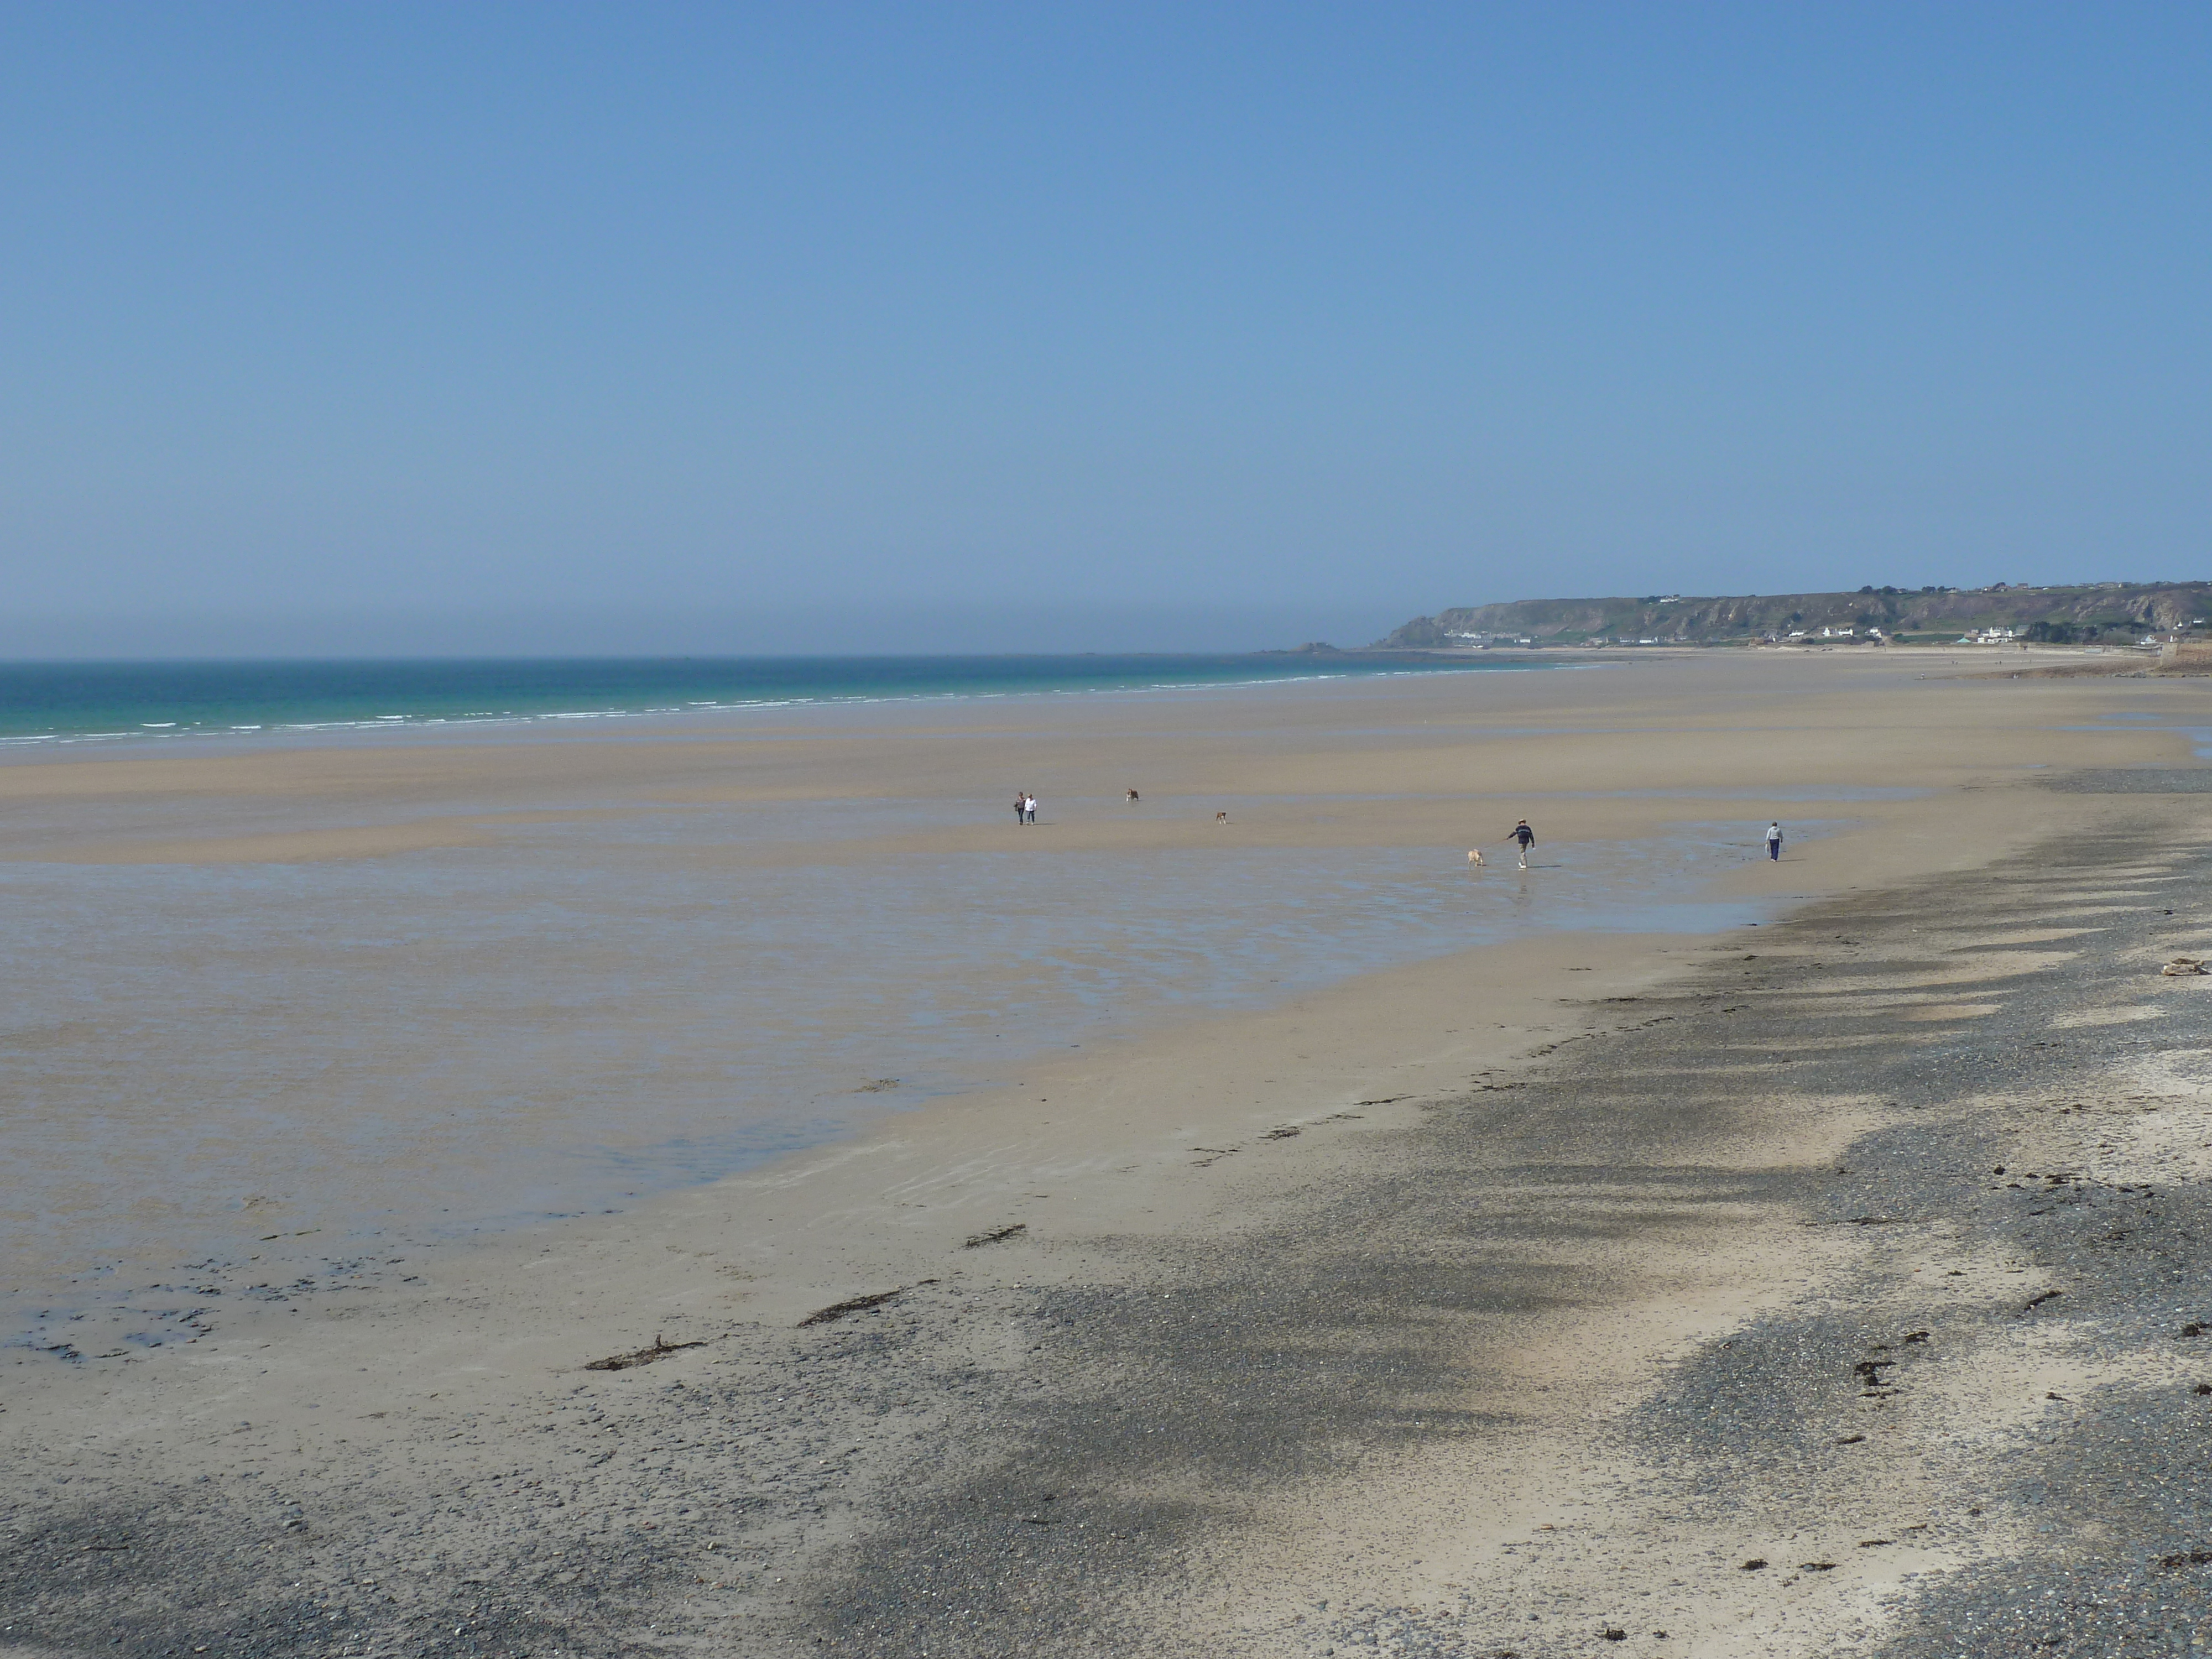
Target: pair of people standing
[(1526, 838), (1025, 808)]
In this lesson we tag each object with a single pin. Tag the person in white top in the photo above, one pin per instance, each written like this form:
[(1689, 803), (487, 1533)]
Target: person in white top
[(1028, 807), (1774, 842)]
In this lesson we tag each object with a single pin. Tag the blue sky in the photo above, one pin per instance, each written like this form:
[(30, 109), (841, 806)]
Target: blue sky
[(388, 327)]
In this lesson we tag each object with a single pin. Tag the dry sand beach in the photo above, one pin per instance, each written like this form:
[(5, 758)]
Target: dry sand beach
[(1832, 1284)]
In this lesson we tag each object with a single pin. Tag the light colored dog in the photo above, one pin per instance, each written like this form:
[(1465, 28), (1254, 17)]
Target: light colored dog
[(1474, 856)]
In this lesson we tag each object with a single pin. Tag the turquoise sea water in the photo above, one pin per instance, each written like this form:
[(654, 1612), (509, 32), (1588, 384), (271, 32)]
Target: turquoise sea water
[(60, 703)]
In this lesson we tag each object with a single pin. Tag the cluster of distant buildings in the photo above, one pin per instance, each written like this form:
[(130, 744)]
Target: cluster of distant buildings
[(2021, 635), (1480, 641), (1873, 633), (1485, 642), (1971, 637)]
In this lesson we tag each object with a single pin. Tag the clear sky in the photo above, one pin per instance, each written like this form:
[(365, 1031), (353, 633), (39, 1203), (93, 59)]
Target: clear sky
[(668, 328)]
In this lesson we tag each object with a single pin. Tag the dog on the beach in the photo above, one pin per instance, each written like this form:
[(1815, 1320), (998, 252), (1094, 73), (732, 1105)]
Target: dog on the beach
[(1133, 797), (1474, 856), (1221, 817)]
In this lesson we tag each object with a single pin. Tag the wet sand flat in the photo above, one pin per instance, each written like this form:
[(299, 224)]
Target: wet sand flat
[(1495, 1301), (311, 1008)]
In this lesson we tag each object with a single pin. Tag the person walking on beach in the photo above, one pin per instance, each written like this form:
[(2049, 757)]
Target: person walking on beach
[(1021, 806), (1029, 805), (1774, 842), (1527, 837)]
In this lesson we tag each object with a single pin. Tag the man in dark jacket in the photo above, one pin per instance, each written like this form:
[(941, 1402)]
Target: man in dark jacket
[(1527, 837)]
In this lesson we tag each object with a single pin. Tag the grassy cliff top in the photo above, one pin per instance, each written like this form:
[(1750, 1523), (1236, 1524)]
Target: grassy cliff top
[(2114, 613)]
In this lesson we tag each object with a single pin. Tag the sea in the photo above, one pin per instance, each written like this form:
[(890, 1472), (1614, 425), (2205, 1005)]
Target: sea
[(66, 702)]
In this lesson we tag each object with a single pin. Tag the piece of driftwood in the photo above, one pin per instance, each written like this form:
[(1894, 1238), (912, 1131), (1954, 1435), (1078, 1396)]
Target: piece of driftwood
[(851, 1304), (661, 1349)]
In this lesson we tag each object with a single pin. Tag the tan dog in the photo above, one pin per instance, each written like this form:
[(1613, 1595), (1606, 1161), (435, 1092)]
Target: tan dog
[(1221, 817), (1474, 856)]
